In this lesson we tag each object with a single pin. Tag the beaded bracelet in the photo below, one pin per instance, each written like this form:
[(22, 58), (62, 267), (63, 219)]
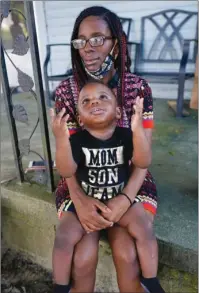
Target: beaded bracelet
[(127, 197)]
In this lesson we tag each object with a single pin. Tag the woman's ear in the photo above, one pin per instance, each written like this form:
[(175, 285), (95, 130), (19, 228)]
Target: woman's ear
[(118, 113)]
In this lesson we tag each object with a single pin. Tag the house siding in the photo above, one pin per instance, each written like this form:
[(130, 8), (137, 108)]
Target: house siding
[(59, 18)]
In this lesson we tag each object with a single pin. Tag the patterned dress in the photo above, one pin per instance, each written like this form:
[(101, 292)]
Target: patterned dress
[(66, 96)]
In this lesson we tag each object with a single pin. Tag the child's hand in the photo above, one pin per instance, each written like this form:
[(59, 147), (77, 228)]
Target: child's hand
[(136, 119), (58, 123)]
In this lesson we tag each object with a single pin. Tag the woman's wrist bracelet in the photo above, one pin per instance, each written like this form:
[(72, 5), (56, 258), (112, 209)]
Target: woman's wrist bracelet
[(127, 197)]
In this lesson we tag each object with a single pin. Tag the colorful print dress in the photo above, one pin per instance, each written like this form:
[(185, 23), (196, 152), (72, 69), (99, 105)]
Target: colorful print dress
[(66, 96)]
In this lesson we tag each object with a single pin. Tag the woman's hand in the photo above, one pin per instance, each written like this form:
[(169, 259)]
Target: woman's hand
[(118, 205), (58, 123), (136, 119), (88, 213)]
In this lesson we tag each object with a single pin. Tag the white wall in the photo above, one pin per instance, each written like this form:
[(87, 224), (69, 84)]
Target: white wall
[(55, 20)]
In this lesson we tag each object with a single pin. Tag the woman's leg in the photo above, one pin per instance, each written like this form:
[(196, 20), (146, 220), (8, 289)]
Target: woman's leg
[(125, 260), (85, 263), (68, 234)]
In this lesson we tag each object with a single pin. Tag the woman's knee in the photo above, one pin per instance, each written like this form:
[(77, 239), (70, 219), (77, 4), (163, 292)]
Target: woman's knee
[(122, 245), (126, 261), (124, 256)]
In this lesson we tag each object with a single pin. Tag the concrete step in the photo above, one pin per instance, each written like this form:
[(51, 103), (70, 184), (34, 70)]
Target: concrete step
[(29, 221)]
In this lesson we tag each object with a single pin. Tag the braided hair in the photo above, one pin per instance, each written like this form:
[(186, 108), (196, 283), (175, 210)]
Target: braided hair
[(123, 61)]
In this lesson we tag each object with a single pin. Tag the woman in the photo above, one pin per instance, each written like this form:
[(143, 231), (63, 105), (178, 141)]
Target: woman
[(99, 51)]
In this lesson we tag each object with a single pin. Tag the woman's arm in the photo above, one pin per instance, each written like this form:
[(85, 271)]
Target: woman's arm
[(87, 208)]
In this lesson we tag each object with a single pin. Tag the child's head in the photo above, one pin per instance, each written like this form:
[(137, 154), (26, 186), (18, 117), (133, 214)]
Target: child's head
[(97, 106)]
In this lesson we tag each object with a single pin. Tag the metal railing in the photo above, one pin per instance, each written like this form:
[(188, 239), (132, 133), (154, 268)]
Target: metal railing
[(22, 147)]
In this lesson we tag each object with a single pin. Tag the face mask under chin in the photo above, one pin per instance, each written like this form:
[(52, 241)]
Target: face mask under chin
[(104, 68)]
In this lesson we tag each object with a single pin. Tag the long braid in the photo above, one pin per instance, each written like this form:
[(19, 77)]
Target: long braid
[(123, 69)]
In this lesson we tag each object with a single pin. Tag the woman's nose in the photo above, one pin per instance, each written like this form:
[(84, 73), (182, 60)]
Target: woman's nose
[(88, 47)]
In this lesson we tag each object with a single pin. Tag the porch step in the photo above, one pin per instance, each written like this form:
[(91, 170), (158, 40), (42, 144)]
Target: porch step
[(29, 221)]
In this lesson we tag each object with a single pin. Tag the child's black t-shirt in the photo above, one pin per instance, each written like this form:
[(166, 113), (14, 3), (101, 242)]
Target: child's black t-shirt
[(103, 166)]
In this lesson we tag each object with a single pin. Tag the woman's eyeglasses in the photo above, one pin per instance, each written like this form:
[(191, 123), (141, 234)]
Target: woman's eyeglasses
[(94, 42)]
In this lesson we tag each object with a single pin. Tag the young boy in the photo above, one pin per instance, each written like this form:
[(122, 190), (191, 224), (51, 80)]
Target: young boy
[(100, 155)]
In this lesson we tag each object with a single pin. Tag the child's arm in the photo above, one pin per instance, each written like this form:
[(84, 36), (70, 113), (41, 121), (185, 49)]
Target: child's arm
[(64, 159), (142, 154)]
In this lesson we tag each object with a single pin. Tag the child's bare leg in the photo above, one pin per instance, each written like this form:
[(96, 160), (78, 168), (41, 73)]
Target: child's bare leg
[(140, 227), (85, 263), (125, 260), (68, 234)]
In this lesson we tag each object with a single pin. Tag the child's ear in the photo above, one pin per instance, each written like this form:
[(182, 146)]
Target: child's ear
[(118, 113), (79, 121)]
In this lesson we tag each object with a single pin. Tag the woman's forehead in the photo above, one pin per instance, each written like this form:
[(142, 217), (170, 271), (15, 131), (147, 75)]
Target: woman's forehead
[(92, 25)]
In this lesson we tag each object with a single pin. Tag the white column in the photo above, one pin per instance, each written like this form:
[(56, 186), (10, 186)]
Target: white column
[(40, 20)]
